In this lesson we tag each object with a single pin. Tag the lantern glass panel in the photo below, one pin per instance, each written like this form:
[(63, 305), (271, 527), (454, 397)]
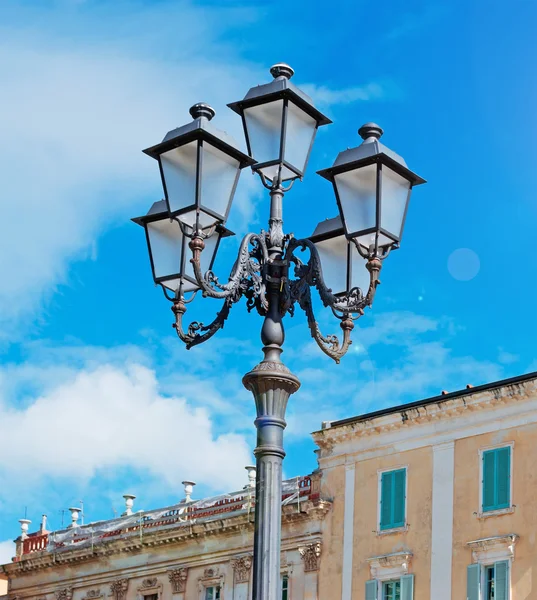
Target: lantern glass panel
[(218, 175), (299, 134), (395, 194), (333, 255), (337, 272), (264, 128), (165, 241), (179, 168), (357, 191)]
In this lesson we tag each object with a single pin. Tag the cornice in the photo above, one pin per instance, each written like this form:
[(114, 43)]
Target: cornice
[(225, 527), (441, 410)]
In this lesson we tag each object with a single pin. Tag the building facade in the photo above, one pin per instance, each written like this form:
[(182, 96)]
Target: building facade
[(431, 500), (435, 499)]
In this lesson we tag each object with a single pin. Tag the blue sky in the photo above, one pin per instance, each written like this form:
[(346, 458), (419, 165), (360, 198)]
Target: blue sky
[(97, 396)]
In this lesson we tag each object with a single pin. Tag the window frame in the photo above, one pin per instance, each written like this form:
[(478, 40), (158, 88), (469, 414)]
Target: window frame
[(285, 576), (400, 528), (383, 584), (214, 586), (482, 514)]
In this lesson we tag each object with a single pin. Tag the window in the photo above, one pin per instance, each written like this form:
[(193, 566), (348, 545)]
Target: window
[(488, 582), (396, 589), (151, 597), (496, 470), (392, 499), (212, 593), (285, 587), (391, 590)]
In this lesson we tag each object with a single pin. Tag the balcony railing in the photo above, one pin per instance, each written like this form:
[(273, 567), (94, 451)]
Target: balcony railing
[(294, 490)]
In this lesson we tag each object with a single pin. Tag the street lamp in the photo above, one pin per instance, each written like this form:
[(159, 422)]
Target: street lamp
[(372, 185)]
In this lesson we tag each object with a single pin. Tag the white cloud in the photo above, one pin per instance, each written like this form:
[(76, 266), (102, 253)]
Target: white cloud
[(7, 552), (75, 114), (115, 417)]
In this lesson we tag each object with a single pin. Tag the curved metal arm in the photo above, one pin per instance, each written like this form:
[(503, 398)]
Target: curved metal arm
[(329, 344), (311, 274), (246, 272), (197, 332)]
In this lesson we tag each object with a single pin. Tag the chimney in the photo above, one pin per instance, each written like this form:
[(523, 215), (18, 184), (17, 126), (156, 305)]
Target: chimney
[(43, 526), (189, 486), (75, 511), (469, 386), (129, 503), (251, 470)]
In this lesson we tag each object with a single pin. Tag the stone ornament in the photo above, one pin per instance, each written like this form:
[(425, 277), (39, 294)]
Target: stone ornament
[(151, 582), (178, 579), (241, 567), (64, 594), (119, 588), (210, 573), (92, 594), (310, 555)]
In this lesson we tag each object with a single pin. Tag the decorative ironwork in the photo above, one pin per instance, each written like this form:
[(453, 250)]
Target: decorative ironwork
[(275, 251), (241, 567), (310, 555), (178, 579)]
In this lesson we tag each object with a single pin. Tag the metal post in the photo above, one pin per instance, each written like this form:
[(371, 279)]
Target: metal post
[(271, 383)]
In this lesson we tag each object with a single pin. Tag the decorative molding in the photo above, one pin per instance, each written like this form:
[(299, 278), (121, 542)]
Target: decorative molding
[(211, 573), (118, 588), (93, 594), (390, 566), (211, 576), (310, 555), (150, 582), (241, 568), (178, 579), (500, 547), (64, 594), (149, 586), (439, 410)]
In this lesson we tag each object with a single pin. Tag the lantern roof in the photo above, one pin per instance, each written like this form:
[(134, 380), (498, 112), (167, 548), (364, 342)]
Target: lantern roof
[(328, 227), (200, 127), (158, 209), (280, 87), (366, 152)]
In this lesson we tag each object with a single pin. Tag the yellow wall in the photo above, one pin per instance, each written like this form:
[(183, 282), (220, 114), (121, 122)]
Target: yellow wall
[(367, 543), (523, 521), (333, 486)]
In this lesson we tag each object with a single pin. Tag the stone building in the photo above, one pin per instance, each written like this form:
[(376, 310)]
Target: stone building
[(436, 500)]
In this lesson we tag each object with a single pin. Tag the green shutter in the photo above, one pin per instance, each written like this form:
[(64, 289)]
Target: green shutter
[(503, 477), (371, 588), (386, 486), (407, 587), (501, 580), (497, 479), (489, 470), (399, 492), (473, 581)]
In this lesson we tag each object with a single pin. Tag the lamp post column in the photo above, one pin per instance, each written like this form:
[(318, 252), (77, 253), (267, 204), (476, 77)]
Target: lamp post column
[(271, 384)]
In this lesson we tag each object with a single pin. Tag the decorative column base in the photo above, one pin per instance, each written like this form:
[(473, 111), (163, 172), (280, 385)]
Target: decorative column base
[(271, 383)]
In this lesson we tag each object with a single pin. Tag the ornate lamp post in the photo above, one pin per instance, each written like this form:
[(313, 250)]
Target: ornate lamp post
[(200, 166)]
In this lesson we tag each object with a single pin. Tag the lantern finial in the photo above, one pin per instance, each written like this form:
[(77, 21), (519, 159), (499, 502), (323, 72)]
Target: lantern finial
[(370, 130), (282, 70), (201, 109)]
